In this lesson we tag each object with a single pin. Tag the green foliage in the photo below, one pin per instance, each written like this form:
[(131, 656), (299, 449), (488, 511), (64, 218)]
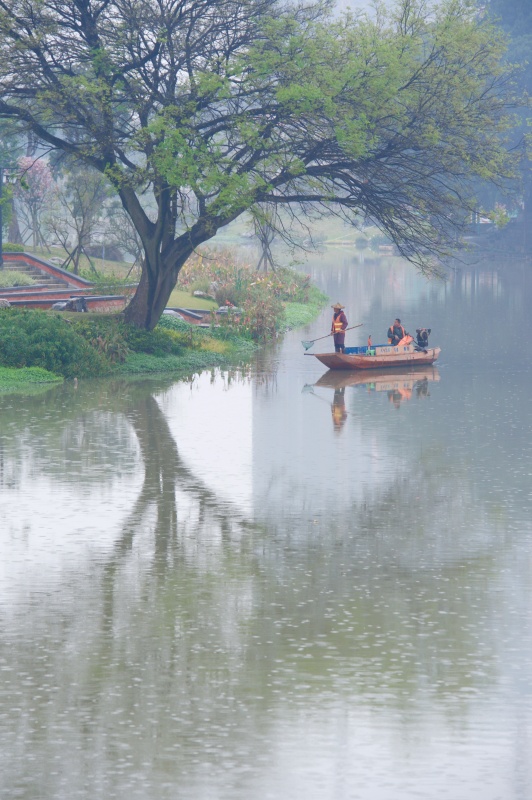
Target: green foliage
[(169, 322), (12, 379), (260, 296), (41, 339), (114, 338), (158, 342), (90, 345), (299, 314), (224, 329), (263, 314), (229, 330), (103, 333), (201, 285), (186, 364), (499, 216), (105, 284), (11, 277), (10, 247)]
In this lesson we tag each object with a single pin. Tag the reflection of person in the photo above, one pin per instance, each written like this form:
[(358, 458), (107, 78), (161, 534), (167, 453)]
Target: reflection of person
[(396, 332), (394, 397), (338, 326), (339, 414), (422, 388), (400, 393)]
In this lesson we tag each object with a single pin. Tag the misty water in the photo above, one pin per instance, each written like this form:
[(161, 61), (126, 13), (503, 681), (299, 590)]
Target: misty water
[(274, 583)]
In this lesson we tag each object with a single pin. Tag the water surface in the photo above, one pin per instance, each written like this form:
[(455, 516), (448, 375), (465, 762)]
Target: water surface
[(274, 583)]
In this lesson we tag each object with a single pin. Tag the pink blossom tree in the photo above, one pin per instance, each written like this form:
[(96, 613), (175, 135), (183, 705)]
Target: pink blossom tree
[(35, 188)]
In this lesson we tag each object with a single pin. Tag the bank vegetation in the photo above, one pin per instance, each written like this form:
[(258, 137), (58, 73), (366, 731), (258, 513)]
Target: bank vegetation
[(256, 308)]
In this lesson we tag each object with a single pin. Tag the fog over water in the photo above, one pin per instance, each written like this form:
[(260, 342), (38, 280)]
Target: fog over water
[(277, 582)]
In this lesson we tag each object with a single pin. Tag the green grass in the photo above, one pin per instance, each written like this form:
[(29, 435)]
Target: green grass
[(182, 299), (27, 379), (298, 314), (207, 348), (186, 364)]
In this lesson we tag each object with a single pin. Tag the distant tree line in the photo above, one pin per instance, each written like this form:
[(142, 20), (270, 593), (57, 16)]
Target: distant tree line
[(515, 19)]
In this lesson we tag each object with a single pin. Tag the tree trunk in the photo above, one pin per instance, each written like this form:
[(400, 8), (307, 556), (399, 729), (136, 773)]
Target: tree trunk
[(14, 235), (157, 281)]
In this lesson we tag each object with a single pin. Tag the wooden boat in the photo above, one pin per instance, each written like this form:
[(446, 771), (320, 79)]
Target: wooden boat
[(379, 357)]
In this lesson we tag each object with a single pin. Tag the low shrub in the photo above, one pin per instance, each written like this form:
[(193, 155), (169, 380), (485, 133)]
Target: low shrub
[(110, 335), (260, 295), (263, 314), (200, 285), (158, 342), (40, 339), (103, 333), (11, 377), (169, 322), (11, 277), (11, 247)]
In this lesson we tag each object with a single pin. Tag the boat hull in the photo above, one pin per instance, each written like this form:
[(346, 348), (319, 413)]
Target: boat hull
[(391, 357)]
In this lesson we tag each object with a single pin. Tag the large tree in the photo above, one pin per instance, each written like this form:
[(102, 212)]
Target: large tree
[(213, 106)]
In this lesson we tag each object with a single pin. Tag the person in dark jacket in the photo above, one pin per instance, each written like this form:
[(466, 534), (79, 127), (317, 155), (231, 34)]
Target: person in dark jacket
[(396, 332), (338, 326)]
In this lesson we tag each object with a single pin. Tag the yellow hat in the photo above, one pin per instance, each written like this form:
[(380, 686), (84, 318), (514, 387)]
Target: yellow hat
[(338, 306)]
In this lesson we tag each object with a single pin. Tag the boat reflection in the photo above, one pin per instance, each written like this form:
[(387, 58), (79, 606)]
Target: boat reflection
[(400, 385)]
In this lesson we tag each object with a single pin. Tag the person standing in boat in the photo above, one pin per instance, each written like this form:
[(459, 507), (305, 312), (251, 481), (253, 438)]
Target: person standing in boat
[(339, 324), (396, 332)]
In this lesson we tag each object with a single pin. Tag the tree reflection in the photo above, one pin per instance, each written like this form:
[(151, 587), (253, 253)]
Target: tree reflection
[(203, 634), (165, 477)]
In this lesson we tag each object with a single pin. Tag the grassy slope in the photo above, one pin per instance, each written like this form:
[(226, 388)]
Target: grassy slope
[(182, 299)]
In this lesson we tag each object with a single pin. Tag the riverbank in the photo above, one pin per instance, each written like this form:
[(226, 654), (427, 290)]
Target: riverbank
[(73, 345)]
